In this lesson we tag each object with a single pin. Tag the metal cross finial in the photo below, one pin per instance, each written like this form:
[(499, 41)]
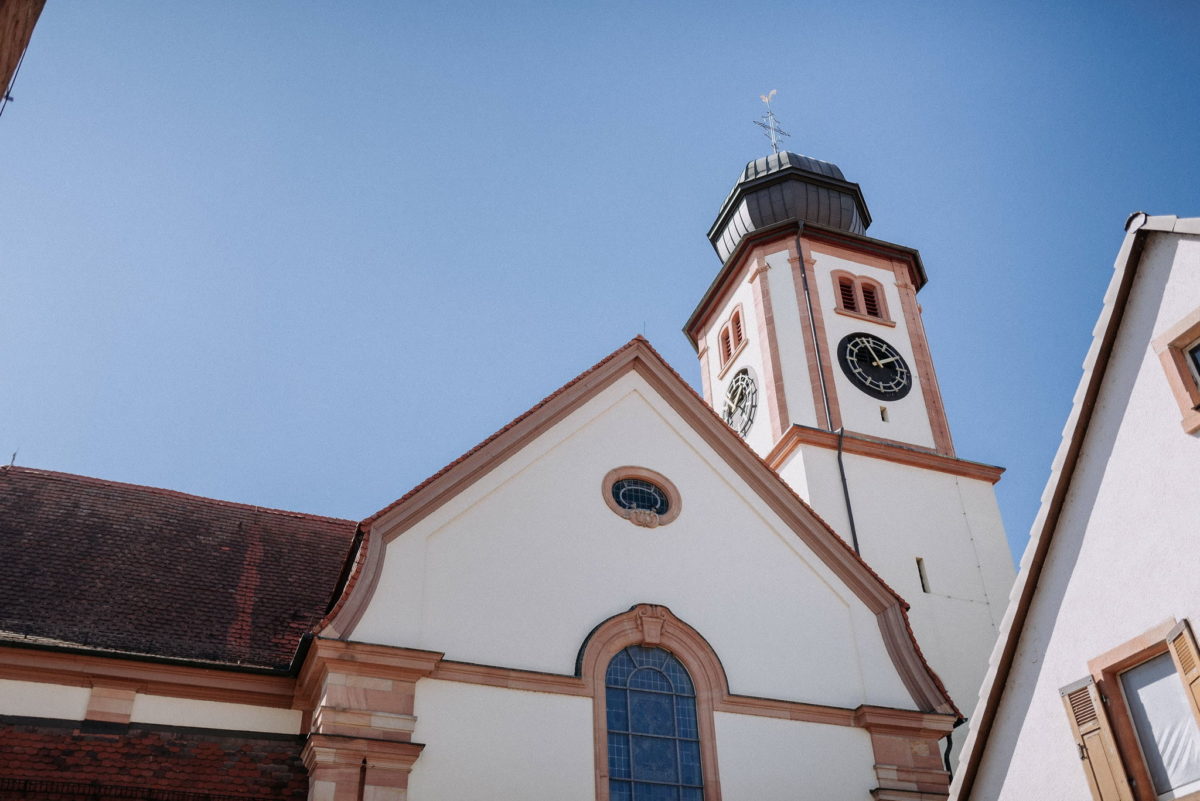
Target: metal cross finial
[(769, 124)]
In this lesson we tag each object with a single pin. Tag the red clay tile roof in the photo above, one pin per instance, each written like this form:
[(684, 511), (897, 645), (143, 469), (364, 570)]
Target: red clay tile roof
[(137, 570), (58, 762)]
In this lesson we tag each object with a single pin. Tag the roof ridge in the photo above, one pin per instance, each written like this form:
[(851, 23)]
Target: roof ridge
[(63, 476)]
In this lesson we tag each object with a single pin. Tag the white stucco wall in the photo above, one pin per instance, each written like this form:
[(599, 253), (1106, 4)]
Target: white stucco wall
[(38, 700), (169, 711), (522, 565), (1123, 557), (789, 336), (908, 418), (953, 523), (492, 744), (768, 759)]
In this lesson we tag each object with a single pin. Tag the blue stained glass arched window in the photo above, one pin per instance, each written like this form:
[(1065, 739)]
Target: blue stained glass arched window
[(653, 739)]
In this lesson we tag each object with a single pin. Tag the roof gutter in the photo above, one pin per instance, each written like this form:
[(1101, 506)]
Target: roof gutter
[(80, 650)]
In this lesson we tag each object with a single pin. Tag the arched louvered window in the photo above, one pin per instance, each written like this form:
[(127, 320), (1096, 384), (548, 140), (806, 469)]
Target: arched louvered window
[(653, 737), (847, 294), (860, 296), (731, 337), (870, 301)]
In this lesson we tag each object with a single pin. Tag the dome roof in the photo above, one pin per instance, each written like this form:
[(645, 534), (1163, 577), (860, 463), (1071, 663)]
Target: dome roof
[(783, 187), (781, 161)]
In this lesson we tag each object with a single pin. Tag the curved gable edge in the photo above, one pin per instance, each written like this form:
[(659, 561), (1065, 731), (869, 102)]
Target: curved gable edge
[(926, 689)]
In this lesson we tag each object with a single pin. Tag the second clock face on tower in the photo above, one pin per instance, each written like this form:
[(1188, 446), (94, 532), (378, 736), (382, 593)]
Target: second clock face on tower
[(874, 366), (741, 401)]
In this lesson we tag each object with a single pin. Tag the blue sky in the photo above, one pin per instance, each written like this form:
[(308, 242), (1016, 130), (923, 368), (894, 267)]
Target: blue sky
[(303, 254)]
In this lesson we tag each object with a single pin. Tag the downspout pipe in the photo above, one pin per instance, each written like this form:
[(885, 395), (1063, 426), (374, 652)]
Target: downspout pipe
[(812, 328), (950, 745), (841, 432)]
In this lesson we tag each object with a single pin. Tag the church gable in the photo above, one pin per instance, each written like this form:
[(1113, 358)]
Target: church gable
[(516, 561)]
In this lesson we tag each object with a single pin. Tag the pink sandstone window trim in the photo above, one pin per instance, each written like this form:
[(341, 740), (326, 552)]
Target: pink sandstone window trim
[(1105, 670), (1173, 349), (642, 517), (731, 340), (860, 297), (655, 627)]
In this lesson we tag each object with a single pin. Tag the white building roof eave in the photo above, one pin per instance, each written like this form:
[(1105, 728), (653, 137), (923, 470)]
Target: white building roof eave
[(1095, 366)]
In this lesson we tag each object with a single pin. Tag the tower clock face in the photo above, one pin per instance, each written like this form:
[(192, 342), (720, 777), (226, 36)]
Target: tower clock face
[(874, 366), (741, 401)]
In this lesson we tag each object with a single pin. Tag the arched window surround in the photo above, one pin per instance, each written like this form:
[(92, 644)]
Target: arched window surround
[(731, 339), (857, 296), (655, 627)]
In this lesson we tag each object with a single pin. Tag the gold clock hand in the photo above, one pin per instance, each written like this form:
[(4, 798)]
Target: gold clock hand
[(874, 355)]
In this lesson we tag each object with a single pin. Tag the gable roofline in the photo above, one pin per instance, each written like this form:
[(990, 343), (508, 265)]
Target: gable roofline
[(168, 493), (639, 356), (1066, 460)]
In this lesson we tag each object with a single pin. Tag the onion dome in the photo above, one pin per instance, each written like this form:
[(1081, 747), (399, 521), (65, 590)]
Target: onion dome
[(786, 187)]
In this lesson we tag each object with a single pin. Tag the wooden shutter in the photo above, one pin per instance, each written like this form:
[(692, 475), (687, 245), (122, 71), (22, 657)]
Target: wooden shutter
[(1094, 739), (1187, 662)]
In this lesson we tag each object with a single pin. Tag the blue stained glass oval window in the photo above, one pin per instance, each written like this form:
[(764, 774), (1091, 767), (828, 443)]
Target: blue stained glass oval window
[(634, 493), (653, 742)]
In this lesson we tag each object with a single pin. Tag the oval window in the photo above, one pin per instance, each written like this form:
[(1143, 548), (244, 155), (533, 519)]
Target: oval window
[(634, 493), (641, 496)]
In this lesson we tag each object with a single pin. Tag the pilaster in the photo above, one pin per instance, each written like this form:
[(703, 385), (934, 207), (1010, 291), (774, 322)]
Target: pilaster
[(360, 700), (908, 760)]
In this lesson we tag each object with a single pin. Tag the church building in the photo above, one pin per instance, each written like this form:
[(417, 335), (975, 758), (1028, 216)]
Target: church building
[(785, 588)]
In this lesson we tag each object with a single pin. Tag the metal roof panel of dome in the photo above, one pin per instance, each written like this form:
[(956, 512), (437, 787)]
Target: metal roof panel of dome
[(778, 161), (787, 186)]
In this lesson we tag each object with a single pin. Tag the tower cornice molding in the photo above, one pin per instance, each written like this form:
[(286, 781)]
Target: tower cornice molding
[(877, 448)]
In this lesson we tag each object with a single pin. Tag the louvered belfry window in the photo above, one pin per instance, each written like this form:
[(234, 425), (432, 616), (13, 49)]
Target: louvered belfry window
[(731, 336), (849, 299), (870, 301), (860, 295)]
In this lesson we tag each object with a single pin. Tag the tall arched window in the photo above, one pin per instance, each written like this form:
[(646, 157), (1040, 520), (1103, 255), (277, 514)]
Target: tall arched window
[(653, 736)]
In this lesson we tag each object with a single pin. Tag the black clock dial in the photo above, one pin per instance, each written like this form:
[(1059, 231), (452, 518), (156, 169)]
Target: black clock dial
[(874, 366), (741, 401)]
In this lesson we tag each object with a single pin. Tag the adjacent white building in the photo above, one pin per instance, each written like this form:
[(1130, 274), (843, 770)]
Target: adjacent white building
[(1093, 688)]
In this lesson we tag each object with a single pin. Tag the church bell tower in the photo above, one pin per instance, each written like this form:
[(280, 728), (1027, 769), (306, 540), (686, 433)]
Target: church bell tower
[(811, 347)]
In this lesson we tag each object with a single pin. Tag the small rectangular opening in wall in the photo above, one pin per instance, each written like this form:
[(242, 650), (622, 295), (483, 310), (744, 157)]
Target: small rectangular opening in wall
[(883, 413), (921, 573)]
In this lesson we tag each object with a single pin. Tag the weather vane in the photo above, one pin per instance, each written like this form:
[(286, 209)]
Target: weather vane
[(769, 124)]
